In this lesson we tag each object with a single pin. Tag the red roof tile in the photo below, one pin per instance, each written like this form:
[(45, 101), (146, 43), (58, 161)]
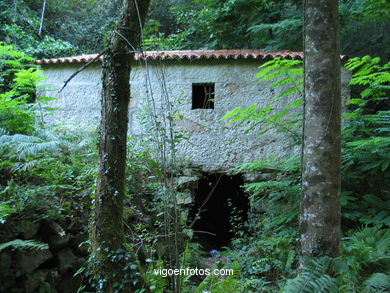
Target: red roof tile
[(184, 55), (187, 55)]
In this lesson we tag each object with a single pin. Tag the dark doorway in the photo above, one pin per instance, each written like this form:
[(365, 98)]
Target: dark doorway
[(217, 196)]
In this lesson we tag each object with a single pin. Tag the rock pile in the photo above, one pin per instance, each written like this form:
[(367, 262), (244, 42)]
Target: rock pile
[(41, 256)]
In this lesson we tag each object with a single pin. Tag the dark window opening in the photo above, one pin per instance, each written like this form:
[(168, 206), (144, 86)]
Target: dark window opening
[(203, 96), (218, 197)]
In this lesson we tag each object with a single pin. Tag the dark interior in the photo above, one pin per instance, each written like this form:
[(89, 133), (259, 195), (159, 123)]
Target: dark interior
[(216, 212), (203, 96)]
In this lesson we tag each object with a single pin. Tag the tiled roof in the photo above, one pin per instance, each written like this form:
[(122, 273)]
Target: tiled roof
[(185, 55)]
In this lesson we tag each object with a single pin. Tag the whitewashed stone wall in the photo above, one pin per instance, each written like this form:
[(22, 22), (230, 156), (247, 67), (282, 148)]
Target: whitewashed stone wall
[(212, 145)]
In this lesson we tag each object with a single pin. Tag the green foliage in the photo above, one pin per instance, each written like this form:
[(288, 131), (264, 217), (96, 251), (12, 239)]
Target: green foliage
[(20, 22), (275, 201), (5, 211), (267, 25), (365, 135), (24, 245), (265, 261), (84, 24), (132, 276), (364, 27), (285, 75), (47, 175), (272, 225), (17, 81), (366, 143), (123, 257), (314, 279), (31, 45), (287, 72), (156, 40), (267, 252), (186, 24), (156, 282), (225, 284), (373, 76), (15, 115), (362, 267)]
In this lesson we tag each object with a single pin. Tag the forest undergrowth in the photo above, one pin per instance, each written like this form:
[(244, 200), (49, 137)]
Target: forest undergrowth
[(48, 174)]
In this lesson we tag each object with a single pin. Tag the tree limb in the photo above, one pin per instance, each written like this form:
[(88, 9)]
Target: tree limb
[(81, 69)]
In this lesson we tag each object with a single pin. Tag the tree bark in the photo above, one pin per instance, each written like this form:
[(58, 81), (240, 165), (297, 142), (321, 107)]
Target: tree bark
[(107, 235), (320, 200)]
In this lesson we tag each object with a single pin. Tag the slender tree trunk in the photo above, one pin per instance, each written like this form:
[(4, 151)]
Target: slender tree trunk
[(42, 17), (107, 233), (320, 201)]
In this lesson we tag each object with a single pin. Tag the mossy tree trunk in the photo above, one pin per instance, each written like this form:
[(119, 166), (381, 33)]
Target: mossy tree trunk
[(320, 201), (107, 233)]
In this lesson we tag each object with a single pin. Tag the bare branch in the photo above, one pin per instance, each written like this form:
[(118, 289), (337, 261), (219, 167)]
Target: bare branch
[(81, 69)]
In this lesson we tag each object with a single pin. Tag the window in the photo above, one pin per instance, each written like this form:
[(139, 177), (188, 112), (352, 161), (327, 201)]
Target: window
[(203, 96)]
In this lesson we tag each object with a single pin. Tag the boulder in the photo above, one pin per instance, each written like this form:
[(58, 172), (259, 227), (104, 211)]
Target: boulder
[(5, 260), (28, 261), (184, 182), (66, 260), (57, 242), (69, 284), (183, 198), (52, 228), (8, 231)]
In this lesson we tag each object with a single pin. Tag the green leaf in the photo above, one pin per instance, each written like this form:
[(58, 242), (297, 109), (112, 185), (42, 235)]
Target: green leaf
[(24, 245), (232, 113), (356, 101)]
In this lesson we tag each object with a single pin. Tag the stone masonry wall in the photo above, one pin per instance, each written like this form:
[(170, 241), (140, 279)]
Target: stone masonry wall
[(212, 145)]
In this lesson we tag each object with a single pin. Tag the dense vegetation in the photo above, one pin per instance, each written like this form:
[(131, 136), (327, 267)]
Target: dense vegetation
[(80, 26), (48, 173)]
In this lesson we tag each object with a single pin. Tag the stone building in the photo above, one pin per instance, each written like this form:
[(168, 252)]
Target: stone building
[(193, 89), (188, 92)]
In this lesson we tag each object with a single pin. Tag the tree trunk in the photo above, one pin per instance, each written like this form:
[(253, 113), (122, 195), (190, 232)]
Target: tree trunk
[(107, 233), (320, 201)]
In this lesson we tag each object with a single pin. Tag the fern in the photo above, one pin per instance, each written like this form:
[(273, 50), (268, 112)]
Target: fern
[(185, 262), (363, 266), (156, 282), (219, 284), (5, 211), (314, 279), (24, 245), (286, 76), (45, 146), (369, 72), (377, 282), (366, 144)]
